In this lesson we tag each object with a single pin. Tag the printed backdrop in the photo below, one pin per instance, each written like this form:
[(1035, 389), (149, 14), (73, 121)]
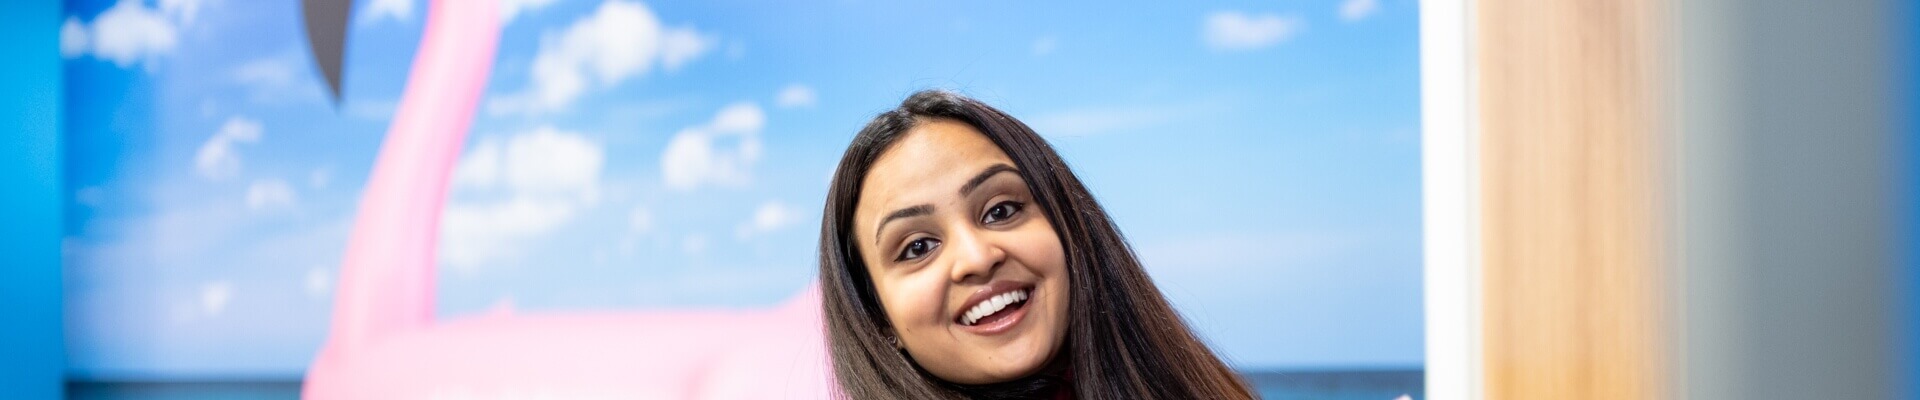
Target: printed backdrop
[(1262, 157)]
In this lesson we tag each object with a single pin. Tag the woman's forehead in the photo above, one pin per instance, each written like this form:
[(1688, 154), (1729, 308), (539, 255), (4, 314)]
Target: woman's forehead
[(928, 164), (936, 147)]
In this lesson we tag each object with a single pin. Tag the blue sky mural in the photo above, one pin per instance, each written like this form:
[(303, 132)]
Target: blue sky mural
[(1262, 157)]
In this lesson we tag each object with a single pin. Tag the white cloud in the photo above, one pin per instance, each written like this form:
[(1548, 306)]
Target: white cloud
[(181, 10), (217, 158), (214, 297), (73, 38), (398, 10), (129, 32), (546, 161), (533, 182), (319, 178), (1045, 45), (273, 72), (550, 162), (619, 41), (771, 216), (318, 281), (1355, 10), (480, 167), (269, 193), (1233, 30), (512, 8), (277, 78), (678, 46), (640, 220), (694, 156), (795, 95), (694, 244), (481, 233)]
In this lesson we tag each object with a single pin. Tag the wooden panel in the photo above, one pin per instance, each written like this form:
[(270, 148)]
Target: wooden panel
[(1573, 267)]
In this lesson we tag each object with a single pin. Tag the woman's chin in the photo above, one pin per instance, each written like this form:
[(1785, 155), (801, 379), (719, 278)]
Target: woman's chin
[(1010, 363)]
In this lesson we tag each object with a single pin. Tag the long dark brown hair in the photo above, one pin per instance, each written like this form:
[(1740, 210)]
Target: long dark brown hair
[(1123, 341)]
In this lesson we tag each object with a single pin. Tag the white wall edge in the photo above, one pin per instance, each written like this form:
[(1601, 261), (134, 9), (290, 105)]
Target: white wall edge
[(1449, 107)]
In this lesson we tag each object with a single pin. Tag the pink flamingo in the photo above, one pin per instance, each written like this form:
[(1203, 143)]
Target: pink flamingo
[(384, 342)]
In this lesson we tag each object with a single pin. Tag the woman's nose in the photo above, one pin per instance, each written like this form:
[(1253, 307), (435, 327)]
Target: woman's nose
[(975, 255)]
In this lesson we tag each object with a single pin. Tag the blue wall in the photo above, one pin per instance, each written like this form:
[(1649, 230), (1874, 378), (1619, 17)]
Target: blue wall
[(31, 343)]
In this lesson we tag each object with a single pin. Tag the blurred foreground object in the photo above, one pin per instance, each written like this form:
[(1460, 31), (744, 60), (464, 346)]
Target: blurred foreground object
[(385, 343), (1670, 199), (32, 345), (1569, 151)]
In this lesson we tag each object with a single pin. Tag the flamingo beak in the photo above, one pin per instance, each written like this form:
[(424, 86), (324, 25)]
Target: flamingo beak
[(326, 22)]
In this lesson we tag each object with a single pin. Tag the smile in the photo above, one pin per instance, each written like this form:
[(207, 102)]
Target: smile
[(994, 309), (993, 306)]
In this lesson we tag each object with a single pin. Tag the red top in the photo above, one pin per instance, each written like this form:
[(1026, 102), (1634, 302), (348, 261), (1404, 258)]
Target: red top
[(1066, 387)]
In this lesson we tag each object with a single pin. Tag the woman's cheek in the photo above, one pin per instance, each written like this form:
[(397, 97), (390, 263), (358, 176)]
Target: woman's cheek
[(918, 300), (1041, 243)]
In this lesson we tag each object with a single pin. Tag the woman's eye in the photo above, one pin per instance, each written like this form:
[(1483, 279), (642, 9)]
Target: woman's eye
[(917, 248), (1001, 212)]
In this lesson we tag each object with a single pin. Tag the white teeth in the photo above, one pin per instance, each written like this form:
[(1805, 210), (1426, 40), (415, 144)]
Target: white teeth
[(993, 305)]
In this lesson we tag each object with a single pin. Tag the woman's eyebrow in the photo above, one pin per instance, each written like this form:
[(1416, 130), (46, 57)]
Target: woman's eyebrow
[(915, 211), (982, 177), (926, 209)]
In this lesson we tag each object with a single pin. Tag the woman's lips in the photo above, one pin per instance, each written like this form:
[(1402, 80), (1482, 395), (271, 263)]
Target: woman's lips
[(988, 293), (999, 323), (1016, 297), (996, 305)]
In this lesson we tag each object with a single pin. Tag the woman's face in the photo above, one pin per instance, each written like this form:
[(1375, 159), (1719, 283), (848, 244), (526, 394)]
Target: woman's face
[(967, 267)]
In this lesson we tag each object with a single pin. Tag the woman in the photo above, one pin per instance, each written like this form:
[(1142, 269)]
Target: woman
[(961, 258)]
